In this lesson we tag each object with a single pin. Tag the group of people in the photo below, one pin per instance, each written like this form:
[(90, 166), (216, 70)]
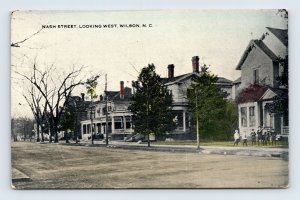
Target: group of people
[(260, 137)]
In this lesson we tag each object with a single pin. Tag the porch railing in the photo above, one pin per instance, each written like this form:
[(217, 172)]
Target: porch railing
[(285, 130)]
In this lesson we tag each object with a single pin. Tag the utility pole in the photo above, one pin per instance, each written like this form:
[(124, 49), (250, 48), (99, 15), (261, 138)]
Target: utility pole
[(75, 123), (106, 113), (92, 122), (148, 132), (197, 118)]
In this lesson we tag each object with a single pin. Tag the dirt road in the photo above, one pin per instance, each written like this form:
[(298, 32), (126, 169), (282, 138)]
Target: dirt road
[(61, 166)]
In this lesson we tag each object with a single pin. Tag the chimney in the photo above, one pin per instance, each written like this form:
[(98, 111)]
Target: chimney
[(171, 71), (195, 62), (121, 89), (82, 96)]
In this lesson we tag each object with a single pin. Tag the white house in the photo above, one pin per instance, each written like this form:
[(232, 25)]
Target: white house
[(258, 87), (178, 86), (120, 118)]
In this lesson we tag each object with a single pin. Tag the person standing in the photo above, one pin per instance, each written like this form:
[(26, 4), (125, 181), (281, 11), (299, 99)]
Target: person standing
[(273, 138), (236, 136), (259, 135), (263, 138), (244, 138), (253, 137)]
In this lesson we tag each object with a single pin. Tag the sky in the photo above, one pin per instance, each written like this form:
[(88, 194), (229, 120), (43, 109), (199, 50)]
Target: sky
[(218, 37)]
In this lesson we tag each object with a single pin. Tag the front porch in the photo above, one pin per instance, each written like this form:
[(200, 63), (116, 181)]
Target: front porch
[(116, 125)]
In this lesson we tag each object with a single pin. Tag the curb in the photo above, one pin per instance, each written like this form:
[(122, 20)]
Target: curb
[(238, 152)]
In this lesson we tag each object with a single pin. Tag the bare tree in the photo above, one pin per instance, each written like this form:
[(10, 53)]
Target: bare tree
[(17, 44), (39, 109), (55, 90)]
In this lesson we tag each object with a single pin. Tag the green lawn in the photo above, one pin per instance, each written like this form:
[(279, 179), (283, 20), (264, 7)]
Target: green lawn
[(217, 143)]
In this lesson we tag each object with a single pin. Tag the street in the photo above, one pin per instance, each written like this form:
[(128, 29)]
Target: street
[(64, 166)]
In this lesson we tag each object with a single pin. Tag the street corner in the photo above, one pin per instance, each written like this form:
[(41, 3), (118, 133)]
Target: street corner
[(18, 176)]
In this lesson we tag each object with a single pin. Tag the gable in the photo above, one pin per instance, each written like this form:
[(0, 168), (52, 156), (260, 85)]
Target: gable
[(259, 46), (180, 79), (281, 34), (269, 94)]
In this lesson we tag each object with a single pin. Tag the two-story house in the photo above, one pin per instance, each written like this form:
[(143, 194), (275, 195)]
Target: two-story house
[(119, 117), (259, 85), (116, 114), (178, 86)]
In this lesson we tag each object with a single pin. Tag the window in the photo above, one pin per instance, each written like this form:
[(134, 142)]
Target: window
[(255, 76), (84, 129), (118, 122), (128, 122), (244, 116), (118, 125), (88, 128), (252, 116), (251, 111)]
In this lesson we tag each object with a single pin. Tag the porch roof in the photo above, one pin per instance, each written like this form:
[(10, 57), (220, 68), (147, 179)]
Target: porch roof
[(256, 93)]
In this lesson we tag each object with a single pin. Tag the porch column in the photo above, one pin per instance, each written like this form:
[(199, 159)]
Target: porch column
[(257, 122), (124, 123), (184, 125), (248, 116), (103, 128), (240, 117), (264, 113), (112, 124)]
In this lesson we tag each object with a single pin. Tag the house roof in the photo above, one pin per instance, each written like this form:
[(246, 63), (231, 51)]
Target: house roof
[(177, 79), (255, 93), (115, 96), (252, 93), (224, 81), (281, 34), (281, 93), (256, 44), (238, 80)]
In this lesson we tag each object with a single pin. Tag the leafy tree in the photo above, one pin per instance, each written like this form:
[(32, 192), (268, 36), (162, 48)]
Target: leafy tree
[(67, 122), (213, 114), (151, 104), (91, 85)]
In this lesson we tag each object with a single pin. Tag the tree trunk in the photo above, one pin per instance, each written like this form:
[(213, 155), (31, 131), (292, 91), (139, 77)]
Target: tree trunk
[(66, 136), (50, 129), (38, 132), (148, 140), (56, 130), (42, 134), (55, 133)]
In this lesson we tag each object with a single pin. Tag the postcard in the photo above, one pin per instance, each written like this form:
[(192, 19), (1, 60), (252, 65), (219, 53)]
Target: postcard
[(149, 99)]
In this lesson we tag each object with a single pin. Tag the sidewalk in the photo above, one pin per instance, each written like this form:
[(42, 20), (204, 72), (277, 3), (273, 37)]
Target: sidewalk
[(18, 176), (237, 150)]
